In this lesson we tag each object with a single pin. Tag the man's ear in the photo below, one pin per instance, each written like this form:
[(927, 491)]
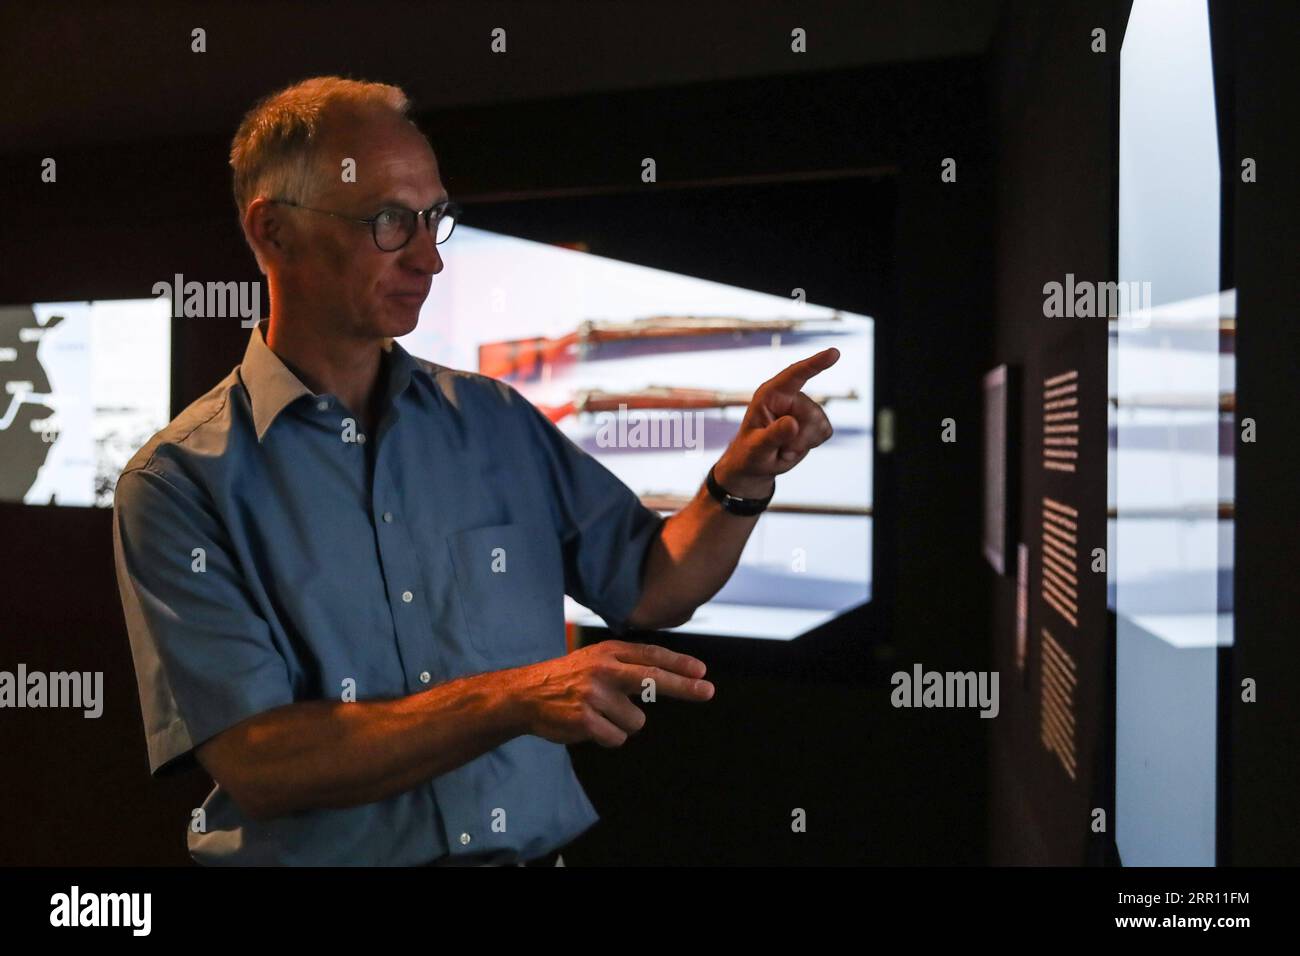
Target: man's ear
[(265, 230)]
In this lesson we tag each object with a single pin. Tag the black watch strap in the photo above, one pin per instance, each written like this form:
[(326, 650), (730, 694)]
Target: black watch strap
[(746, 507)]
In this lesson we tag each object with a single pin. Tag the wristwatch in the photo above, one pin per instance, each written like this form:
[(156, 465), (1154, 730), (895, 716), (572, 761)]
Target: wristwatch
[(746, 507)]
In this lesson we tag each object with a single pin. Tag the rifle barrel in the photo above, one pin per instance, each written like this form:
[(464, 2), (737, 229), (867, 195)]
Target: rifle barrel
[(667, 502)]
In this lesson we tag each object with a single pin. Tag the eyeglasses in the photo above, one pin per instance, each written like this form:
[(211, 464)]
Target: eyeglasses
[(393, 226)]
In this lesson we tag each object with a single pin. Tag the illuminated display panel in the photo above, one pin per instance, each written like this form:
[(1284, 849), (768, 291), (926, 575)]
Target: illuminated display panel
[(649, 371)]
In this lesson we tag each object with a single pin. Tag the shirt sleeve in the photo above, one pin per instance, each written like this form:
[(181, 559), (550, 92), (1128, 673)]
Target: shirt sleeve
[(604, 528), (205, 658)]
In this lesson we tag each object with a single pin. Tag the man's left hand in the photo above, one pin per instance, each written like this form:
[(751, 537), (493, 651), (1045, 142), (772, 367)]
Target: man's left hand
[(780, 427)]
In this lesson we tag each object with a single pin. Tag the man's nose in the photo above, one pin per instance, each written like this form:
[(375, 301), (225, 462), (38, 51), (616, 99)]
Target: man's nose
[(421, 253)]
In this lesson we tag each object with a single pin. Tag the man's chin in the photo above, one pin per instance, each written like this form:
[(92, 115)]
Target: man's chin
[(400, 318)]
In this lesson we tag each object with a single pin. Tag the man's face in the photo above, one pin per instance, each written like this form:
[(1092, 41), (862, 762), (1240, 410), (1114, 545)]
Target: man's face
[(336, 270)]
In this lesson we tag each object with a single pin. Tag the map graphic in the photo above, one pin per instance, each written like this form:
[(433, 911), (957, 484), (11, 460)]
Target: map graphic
[(82, 386)]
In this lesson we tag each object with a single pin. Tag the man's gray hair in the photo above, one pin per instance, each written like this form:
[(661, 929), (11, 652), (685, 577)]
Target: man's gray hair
[(273, 153)]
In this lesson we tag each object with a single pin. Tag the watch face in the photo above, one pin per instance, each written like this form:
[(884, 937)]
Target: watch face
[(733, 503), (743, 506)]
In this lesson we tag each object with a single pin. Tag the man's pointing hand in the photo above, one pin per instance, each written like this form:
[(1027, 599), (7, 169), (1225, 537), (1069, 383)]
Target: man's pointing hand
[(780, 427)]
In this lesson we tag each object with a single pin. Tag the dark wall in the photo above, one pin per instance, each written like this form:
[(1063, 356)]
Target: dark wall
[(1055, 126), (1264, 775), (805, 725)]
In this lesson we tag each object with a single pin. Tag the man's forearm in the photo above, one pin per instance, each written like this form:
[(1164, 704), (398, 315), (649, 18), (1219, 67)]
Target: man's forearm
[(323, 754)]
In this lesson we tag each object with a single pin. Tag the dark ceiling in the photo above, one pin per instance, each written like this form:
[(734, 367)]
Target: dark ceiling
[(76, 74)]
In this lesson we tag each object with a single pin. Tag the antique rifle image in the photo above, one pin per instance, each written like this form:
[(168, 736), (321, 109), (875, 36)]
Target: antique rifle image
[(1225, 327), (526, 358), (1222, 511), (657, 501), (661, 397), (1227, 402)]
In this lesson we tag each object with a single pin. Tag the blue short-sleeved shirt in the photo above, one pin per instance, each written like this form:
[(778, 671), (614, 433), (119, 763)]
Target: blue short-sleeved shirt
[(268, 551)]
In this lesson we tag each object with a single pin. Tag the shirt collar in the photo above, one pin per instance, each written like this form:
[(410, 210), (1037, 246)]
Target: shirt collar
[(272, 387)]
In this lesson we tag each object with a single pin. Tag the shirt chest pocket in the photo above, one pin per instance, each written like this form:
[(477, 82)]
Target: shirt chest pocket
[(510, 582)]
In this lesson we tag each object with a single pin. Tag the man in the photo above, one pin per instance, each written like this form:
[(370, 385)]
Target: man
[(343, 568)]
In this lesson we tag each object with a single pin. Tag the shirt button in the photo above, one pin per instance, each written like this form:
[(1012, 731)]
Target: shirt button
[(464, 839), (425, 677), (408, 597), (323, 404), (388, 517)]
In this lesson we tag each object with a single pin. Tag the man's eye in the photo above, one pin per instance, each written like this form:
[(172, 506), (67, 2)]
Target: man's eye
[(388, 217)]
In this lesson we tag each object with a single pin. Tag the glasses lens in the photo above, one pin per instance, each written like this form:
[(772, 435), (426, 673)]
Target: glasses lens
[(393, 228), (445, 224)]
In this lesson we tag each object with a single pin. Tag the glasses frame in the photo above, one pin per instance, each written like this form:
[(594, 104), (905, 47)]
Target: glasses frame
[(448, 208)]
